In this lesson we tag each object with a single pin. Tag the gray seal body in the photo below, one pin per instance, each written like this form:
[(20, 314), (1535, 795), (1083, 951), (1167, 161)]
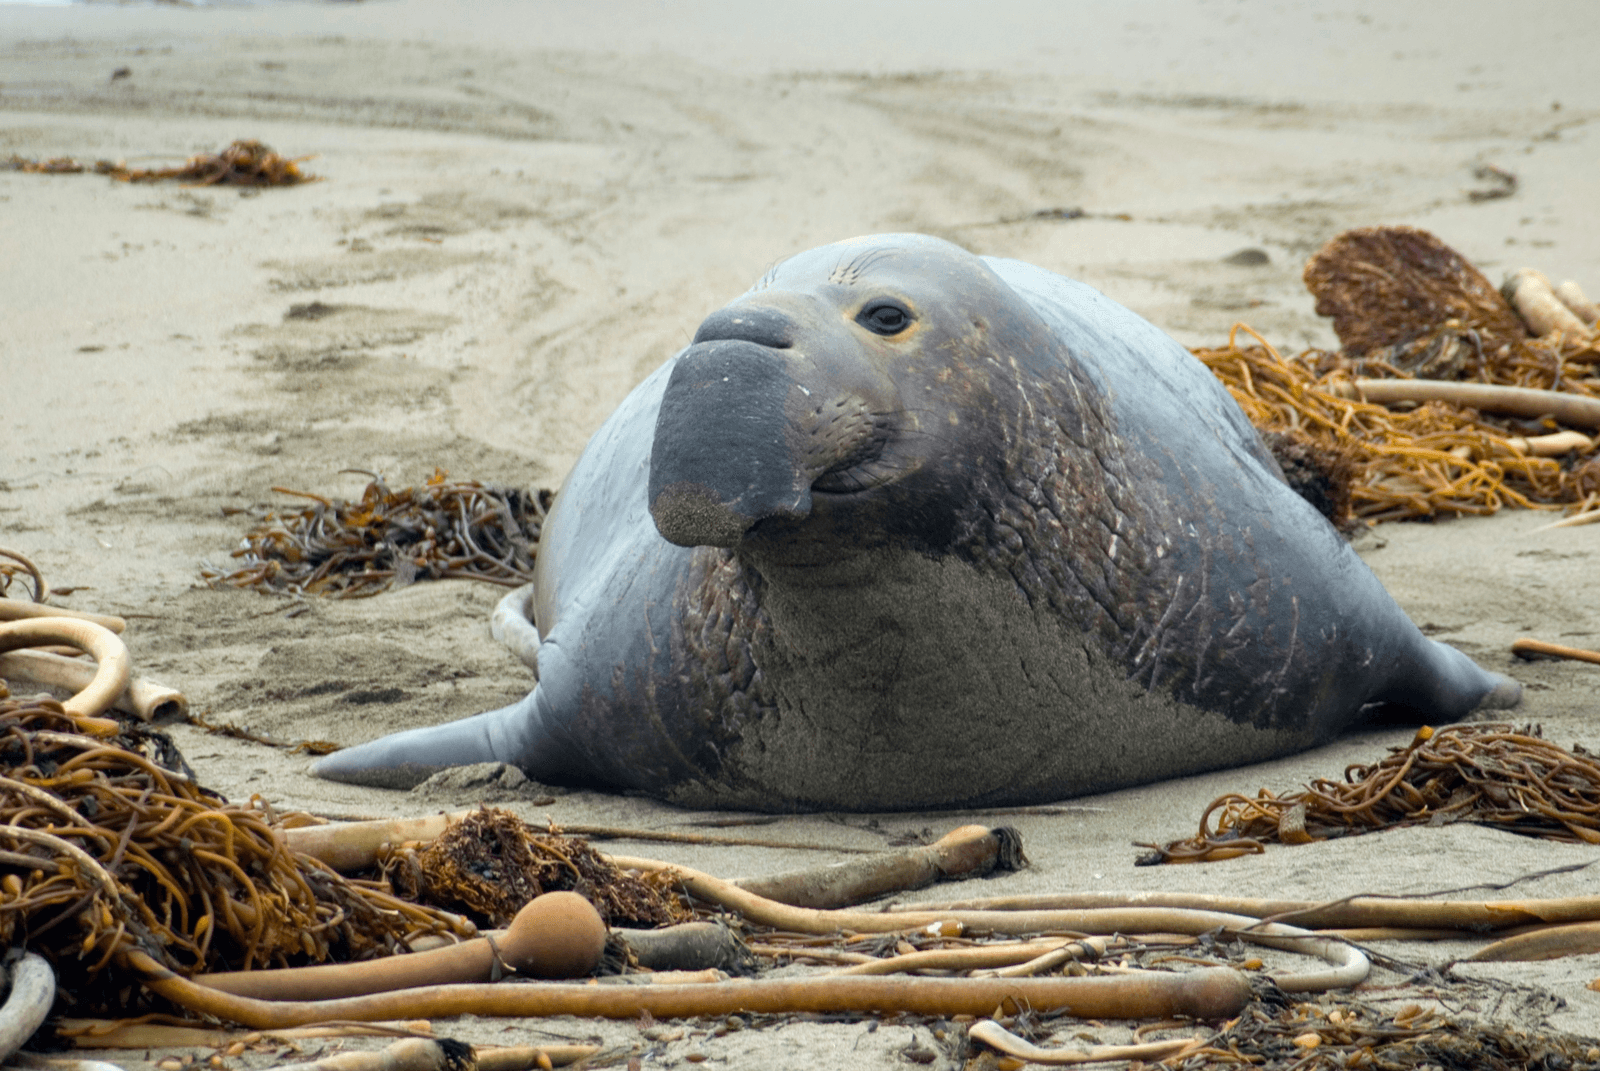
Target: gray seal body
[(909, 528)]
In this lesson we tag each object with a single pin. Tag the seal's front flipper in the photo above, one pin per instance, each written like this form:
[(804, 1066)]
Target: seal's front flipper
[(405, 760)]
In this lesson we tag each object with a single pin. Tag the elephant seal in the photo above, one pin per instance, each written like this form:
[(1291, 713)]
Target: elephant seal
[(905, 527)]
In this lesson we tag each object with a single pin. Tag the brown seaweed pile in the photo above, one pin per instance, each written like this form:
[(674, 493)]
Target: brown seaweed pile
[(109, 843), (245, 162), (445, 529), (1493, 775), (1392, 463), (491, 863), (1400, 296), (1406, 306)]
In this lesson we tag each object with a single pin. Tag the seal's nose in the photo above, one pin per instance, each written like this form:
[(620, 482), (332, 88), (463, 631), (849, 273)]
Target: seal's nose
[(748, 323), (722, 458)]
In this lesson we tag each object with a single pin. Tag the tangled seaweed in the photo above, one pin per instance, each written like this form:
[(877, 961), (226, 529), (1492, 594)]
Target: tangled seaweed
[(491, 863), (109, 844), (1407, 306), (1434, 459), (245, 162), (1311, 1037), (443, 529), (1489, 774)]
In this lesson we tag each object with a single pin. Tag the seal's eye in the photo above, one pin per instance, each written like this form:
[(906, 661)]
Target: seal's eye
[(884, 317)]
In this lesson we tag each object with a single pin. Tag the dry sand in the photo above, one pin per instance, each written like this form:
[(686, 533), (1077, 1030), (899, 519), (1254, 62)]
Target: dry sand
[(526, 207)]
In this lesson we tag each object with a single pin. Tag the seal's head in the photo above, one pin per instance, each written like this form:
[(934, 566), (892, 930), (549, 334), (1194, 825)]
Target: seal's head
[(853, 394)]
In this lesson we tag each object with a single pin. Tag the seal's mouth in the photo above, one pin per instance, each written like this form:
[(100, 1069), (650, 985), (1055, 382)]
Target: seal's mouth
[(863, 469), (845, 441)]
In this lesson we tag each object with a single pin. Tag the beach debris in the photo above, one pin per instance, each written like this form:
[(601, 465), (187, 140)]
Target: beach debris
[(108, 843), (445, 529), (969, 851), (490, 862), (1357, 918), (445, 1054), (109, 678), (1389, 464), (1105, 975), (688, 946), (18, 564), (1445, 397), (1489, 774), (1344, 965), (1205, 993), (1572, 296), (1356, 1034), (230, 1043), (1587, 514), (145, 699), (353, 846), (122, 1034), (1527, 647), (999, 959), (245, 162), (30, 993), (407, 1054), (1502, 183), (1401, 296), (19, 610), (95, 686), (245, 732), (999, 1038), (1524, 402), (554, 935), (1546, 942), (1542, 309)]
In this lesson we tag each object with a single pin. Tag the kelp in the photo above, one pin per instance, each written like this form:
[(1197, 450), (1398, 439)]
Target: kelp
[(110, 844), (245, 162), (1394, 463), (445, 529), (491, 862), (1354, 1034), (1406, 306), (1488, 774)]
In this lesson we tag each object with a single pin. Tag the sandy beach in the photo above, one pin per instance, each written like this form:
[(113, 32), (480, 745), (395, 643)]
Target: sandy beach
[(525, 208)]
